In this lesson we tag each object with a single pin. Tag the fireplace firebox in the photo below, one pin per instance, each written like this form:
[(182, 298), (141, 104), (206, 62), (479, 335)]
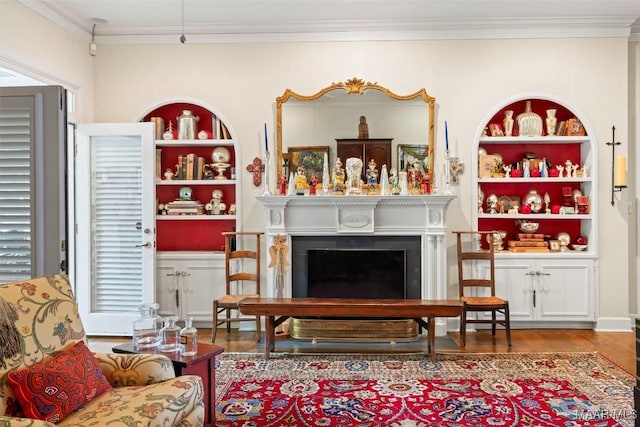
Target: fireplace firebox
[(356, 266)]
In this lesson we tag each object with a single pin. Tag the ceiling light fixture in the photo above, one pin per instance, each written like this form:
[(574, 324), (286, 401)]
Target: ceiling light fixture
[(183, 39), (93, 47)]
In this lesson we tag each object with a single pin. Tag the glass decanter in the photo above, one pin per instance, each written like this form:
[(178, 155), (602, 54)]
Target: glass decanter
[(189, 338), (170, 335), (146, 328)]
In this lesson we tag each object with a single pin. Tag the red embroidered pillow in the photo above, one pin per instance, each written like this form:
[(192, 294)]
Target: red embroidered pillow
[(53, 389)]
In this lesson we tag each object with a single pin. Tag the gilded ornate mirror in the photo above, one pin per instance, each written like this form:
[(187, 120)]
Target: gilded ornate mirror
[(319, 122)]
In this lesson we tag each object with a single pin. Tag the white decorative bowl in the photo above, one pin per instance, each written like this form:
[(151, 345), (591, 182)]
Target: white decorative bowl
[(579, 247), (528, 226)]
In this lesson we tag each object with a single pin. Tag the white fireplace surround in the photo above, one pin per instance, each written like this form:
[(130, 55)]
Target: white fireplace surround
[(423, 216)]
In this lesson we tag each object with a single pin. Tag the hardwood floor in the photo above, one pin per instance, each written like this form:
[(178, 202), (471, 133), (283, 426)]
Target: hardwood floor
[(619, 347)]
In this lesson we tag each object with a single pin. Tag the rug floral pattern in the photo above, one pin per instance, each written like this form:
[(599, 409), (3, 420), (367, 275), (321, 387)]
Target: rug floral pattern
[(511, 389)]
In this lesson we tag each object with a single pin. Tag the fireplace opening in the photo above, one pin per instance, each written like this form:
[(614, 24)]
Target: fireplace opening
[(356, 266), (332, 273)]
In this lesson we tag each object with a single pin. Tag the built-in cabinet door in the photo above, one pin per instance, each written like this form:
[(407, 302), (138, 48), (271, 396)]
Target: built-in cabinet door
[(188, 282), (564, 288), (514, 282), (115, 213)]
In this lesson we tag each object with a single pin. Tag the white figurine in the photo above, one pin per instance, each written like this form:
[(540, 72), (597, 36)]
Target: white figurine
[(567, 167), (507, 171), (574, 171), (560, 169), (547, 203)]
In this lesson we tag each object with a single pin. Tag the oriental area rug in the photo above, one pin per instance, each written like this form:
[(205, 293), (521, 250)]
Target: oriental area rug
[(401, 390)]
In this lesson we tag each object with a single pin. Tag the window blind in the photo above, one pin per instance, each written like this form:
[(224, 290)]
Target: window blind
[(15, 194), (116, 198)]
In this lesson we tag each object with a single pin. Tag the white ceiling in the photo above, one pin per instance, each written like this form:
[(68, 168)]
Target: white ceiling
[(159, 21)]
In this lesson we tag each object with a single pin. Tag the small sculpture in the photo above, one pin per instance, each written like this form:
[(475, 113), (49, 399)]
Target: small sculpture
[(372, 176), (354, 170), (217, 206), (300, 180), (574, 171), (547, 203), (507, 171), (168, 174), (313, 182), (394, 182), (363, 128), (560, 169), (338, 177), (567, 167), (404, 183)]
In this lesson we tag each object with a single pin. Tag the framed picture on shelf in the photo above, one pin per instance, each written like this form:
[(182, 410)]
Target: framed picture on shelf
[(412, 154), (554, 245), (310, 158)]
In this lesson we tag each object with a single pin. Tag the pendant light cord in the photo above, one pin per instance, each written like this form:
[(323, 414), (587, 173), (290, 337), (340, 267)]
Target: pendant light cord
[(183, 39)]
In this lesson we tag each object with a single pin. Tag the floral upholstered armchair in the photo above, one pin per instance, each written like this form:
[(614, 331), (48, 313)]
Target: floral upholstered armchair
[(49, 377)]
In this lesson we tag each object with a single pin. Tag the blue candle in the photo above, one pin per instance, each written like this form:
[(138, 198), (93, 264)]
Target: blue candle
[(446, 135), (266, 142)]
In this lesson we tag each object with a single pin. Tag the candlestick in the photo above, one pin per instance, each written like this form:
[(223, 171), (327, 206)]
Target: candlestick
[(266, 191), (446, 136), (266, 141), (618, 167)]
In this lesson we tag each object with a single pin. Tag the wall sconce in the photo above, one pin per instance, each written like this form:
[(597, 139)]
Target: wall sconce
[(618, 168)]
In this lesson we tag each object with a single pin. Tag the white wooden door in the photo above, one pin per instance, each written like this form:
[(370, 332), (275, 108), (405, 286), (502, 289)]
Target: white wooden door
[(115, 233)]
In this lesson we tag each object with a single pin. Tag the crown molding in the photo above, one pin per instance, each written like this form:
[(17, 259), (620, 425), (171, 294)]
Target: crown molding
[(379, 31), (348, 30)]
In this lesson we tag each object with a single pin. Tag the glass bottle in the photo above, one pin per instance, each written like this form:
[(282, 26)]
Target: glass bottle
[(170, 335), (146, 328), (189, 338)]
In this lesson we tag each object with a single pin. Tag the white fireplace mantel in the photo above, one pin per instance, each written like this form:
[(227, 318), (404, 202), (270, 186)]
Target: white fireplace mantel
[(423, 216)]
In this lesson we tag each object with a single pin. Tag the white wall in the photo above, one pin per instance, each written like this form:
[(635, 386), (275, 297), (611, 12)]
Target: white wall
[(467, 78), (37, 48)]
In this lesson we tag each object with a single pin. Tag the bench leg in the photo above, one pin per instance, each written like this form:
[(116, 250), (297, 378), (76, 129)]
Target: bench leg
[(432, 337), (270, 332)]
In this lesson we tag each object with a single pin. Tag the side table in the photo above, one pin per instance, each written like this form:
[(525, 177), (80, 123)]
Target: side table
[(202, 364)]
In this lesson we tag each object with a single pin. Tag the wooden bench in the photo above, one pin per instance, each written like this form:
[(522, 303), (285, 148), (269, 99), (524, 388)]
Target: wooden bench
[(349, 307)]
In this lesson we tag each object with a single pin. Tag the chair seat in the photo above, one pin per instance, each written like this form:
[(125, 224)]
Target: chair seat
[(233, 299), (483, 301)]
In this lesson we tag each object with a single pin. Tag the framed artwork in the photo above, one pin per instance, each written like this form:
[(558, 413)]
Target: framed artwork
[(554, 245), (310, 158), (412, 154)]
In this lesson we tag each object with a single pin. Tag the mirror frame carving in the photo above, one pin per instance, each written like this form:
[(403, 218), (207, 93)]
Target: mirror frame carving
[(354, 86)]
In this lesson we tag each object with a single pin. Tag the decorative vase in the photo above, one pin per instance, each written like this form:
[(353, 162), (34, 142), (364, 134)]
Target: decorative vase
[(508, 123), (534, 200), (529, 123), (187, 124), (384, 181), (551, 121)]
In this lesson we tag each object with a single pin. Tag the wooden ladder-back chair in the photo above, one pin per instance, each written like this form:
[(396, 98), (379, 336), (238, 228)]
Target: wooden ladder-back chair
[(477, 291), (242, 272)]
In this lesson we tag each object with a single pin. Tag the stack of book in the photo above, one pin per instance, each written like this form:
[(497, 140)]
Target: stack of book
[(529, 242), (185, 207)]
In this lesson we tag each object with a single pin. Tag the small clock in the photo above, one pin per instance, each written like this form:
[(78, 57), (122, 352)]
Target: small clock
[(185, 193)]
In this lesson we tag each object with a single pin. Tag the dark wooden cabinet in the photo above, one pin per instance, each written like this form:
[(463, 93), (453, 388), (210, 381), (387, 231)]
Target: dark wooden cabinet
[(378, 149)]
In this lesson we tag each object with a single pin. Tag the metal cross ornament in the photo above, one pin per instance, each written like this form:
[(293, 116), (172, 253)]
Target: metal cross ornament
[(256, 168)]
